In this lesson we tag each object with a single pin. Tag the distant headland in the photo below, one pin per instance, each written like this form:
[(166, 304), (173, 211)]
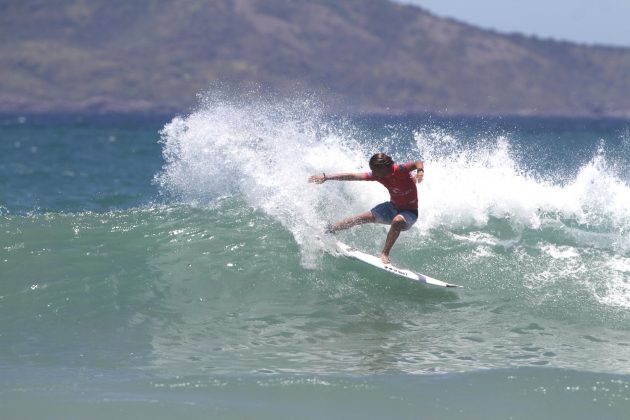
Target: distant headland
[(357, 56)]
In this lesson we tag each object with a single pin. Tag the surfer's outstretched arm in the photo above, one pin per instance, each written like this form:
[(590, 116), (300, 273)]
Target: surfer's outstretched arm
[(320, 179)]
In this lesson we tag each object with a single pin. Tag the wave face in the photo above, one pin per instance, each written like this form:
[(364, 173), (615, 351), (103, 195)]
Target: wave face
[(219, 269)]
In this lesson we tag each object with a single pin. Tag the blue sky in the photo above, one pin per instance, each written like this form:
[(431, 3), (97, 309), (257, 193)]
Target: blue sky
[(601, 22)]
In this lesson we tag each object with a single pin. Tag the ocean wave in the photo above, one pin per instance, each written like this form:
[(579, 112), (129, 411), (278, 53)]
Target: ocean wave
[(179, 286), (264, 151)]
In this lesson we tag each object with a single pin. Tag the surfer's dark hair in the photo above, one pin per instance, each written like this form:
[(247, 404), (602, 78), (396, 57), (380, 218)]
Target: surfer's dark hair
[(380, 160)]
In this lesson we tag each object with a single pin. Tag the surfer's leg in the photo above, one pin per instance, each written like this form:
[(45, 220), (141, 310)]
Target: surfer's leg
[(349, 222), (397, 226)]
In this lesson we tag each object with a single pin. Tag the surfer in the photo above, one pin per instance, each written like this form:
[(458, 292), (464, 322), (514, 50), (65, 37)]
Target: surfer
[(401, 212)]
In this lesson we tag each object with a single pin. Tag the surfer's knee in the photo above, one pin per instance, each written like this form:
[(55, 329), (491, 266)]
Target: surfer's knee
[(399, 222), (369, 217)]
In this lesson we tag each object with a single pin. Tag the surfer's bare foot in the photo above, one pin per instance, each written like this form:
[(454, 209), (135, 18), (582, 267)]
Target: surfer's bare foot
[(385, 259)]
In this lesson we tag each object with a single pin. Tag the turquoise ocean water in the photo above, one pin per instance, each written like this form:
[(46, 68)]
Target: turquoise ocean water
[(156, 268)]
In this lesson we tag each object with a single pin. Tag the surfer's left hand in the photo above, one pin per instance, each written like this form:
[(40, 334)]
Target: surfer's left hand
[(317, 179)]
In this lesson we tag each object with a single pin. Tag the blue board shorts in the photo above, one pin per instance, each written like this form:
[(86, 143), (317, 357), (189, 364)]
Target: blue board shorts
[(385, 213)]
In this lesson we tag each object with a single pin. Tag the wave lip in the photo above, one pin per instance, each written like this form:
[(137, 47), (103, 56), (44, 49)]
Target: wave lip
[(264, 152)]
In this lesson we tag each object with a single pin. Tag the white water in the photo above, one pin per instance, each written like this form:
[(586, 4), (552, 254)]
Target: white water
[(265, 150)]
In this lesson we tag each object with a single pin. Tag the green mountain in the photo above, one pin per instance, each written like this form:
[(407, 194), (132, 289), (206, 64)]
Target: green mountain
[(356, 55)]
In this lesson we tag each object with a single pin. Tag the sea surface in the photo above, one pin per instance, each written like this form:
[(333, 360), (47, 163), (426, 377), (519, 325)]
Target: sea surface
[(176, 267)]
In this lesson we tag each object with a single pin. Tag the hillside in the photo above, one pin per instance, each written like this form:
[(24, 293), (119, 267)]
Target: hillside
[(357, 55)]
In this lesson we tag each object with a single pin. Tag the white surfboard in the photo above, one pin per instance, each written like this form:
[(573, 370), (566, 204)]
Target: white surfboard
[(376, 262)]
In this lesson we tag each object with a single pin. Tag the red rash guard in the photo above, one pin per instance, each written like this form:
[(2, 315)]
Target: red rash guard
[(401, 186)]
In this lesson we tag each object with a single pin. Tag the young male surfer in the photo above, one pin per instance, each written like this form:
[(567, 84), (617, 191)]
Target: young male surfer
[(401, 212)]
